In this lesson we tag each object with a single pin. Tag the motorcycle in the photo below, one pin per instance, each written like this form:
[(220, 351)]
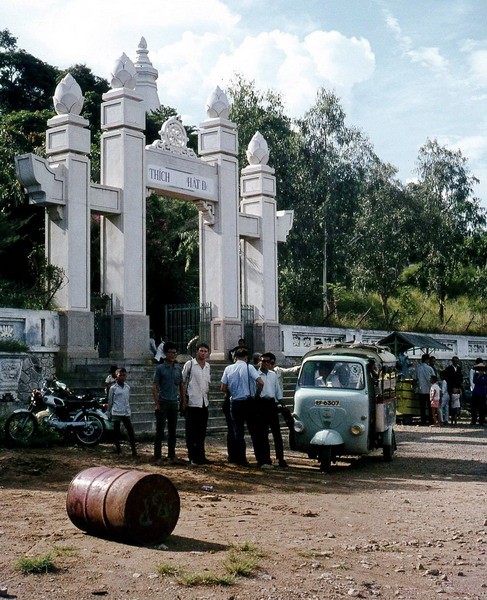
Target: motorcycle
[(56, 408)]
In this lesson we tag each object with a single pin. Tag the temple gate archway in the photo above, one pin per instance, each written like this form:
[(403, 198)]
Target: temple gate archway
[(229, 225)]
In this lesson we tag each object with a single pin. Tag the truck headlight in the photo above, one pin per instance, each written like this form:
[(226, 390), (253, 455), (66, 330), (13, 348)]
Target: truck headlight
[(298, 426), (357, 429)]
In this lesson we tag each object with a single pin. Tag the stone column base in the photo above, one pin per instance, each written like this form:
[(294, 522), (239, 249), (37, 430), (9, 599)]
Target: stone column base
[(267, 338), (76, 337), (224, 337), (130, 337)]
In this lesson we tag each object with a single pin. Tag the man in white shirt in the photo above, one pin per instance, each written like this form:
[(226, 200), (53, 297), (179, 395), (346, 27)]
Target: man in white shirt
[(196, 377), (270, 397), (423, 375)]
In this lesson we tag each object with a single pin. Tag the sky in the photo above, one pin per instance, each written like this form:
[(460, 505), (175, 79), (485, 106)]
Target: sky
[(405, 70)]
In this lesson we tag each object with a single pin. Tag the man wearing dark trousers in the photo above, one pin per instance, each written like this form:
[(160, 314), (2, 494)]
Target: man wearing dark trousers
[(243, 383), (271, 397), (196, 377), (168, 392)]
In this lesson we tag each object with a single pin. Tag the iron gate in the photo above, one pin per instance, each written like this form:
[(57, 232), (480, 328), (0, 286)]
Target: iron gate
[(102, 307), (188, 324), (248, 317)]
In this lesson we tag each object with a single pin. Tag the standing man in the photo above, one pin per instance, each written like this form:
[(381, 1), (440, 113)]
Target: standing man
[(423, 375), (271, 398), (453, 375), (119, 409), (168, 392), (243, 383), (196, 376)]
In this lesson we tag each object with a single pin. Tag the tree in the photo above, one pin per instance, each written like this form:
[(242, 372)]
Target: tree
[(26, 83), (335, 160), (172, 255), (449, 215), (383, 232)]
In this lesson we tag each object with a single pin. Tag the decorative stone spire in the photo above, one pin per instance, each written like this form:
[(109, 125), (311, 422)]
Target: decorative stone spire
[(68, 98), (258, 150), (146, 78), (124, 74), (217, 105)]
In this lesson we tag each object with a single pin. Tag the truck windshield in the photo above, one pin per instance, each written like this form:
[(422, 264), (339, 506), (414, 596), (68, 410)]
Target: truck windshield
[(332, 374)]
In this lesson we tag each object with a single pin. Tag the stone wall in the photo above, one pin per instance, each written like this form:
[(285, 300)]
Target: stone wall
[(297, 340), (19, 373)]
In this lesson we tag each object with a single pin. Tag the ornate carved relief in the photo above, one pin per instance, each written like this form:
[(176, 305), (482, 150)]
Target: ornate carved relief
[(207, 211), (174, 138), (68, 98)]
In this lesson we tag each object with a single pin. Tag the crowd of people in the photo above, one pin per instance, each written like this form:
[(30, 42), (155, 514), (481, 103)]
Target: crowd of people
[(440, 393), (253, 399)]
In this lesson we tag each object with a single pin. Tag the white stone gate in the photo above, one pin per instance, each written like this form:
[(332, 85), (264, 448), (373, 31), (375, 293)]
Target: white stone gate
[(231, 230)]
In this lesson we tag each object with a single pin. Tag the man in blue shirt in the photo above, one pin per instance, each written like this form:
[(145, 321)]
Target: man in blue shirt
[(243, 383), (168, 393)]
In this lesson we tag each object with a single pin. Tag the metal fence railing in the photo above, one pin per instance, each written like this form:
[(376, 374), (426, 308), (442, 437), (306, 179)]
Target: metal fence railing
[(188, 324)]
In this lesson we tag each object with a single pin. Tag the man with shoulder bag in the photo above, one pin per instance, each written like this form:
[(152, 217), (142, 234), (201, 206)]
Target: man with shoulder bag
[(244, 385), (196, 378)]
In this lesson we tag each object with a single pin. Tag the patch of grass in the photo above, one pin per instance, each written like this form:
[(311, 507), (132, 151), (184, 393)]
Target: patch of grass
[(247, 548), (65, 551), (168, 569), (242, 560), (239, 565), (38, 565), (209, 578)]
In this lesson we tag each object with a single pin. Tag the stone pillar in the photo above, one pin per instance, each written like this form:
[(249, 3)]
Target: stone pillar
[(259, 288), (123, 241), (219, 243), (68, 225)]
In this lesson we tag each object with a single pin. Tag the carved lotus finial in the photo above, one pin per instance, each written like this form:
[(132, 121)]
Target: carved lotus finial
[(124, 74), (217, 105), (143, 43), (258, 150), (68, 97)]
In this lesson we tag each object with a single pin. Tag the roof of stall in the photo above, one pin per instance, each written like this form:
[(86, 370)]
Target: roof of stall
[(399, 341), (354, 349)]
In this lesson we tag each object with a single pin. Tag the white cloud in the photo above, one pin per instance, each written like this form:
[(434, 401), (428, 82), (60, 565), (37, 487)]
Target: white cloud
[(473, 147), (478, 67), (281, 61), (429, 57)]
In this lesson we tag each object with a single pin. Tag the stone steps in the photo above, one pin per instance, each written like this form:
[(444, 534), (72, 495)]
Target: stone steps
[(91, 377)]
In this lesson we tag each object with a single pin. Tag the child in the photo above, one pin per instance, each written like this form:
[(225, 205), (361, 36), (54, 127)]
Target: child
[(110, 379), (445, 402), (435, 393), (455, 406), (119, 410)]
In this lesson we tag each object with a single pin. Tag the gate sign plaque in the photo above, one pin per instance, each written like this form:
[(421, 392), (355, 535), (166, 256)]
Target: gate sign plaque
[(189, 184)]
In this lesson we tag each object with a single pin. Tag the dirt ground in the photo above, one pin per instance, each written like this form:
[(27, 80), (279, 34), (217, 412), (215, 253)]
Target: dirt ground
[(413, 528)]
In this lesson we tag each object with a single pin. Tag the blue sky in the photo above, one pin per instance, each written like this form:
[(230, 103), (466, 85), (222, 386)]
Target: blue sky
[(405, 70)]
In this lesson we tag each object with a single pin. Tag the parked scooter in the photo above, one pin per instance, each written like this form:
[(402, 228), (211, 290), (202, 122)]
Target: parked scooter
[(55, 407)]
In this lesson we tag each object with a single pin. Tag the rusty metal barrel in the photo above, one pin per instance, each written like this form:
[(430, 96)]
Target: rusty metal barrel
[(123, 503)]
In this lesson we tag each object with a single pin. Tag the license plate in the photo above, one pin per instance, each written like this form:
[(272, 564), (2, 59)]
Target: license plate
[(327, 402)]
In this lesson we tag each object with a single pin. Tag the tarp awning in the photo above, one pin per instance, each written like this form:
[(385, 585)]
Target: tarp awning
[(398, 341)]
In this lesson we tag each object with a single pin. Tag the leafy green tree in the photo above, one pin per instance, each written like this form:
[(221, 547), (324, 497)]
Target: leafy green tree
[(450, 214), (26, 83), (383, 230), (20, 132), (335, 159), (172, 255)]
